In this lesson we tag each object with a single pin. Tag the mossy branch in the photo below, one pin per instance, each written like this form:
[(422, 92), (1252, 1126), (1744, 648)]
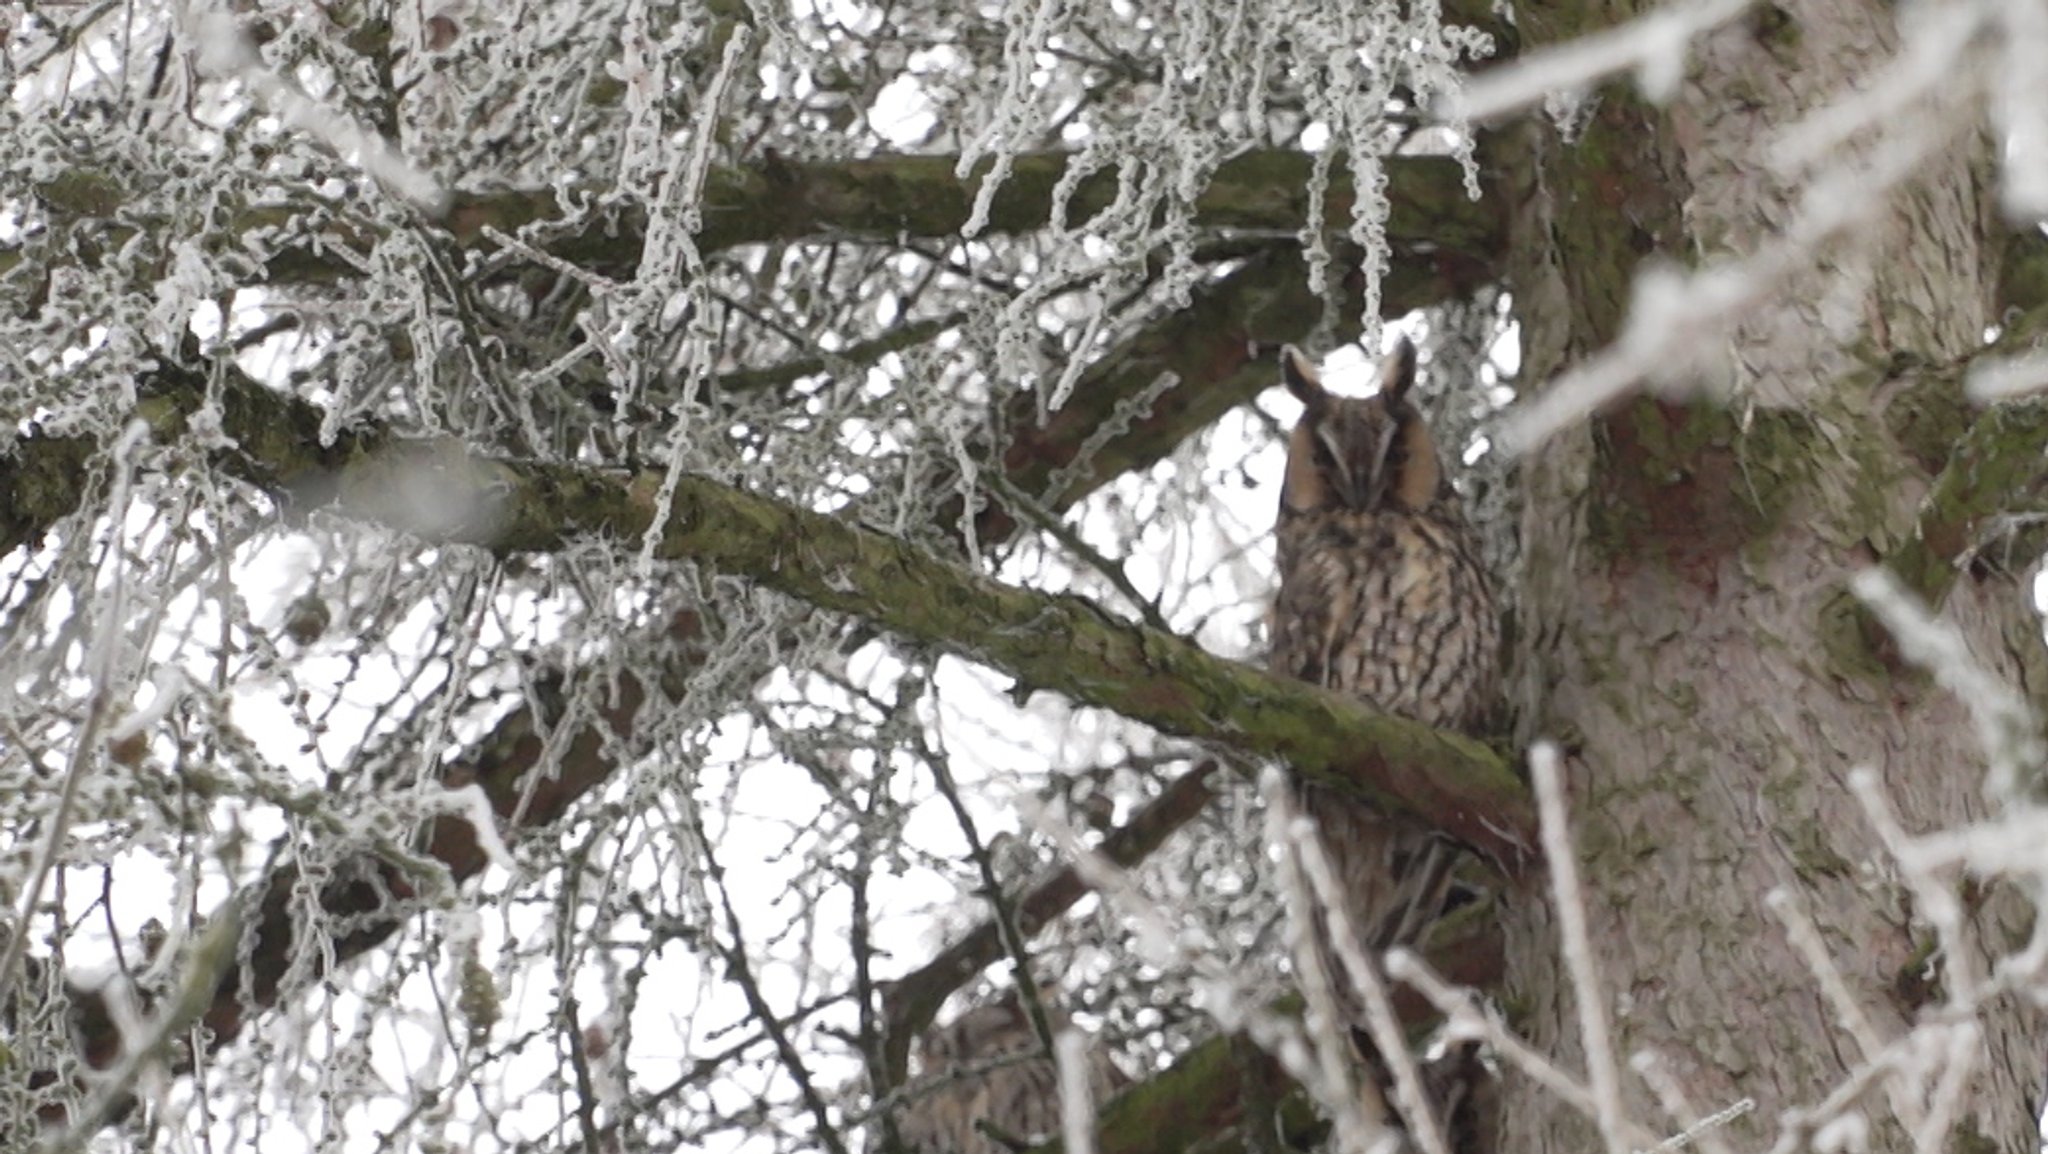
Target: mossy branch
[(1996, 467), (446, 492), (883, 197), (876, 199), (1056, 642)]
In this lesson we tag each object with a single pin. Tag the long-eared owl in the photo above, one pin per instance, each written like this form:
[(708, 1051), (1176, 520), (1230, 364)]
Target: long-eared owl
[(988, 1065), (1382, 596)]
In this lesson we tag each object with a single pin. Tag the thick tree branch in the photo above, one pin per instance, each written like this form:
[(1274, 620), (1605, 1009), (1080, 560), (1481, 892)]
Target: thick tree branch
[(1059, 642), (1046, 641), (1206, 346), (278, 448), (883, 197)]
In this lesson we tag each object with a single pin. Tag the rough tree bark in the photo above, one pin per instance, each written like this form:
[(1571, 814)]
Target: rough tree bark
[(1687, 633)]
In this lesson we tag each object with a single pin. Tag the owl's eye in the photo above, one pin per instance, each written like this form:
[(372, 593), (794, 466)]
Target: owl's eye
[(1328, 455), (1393, 451), (1322, 454)]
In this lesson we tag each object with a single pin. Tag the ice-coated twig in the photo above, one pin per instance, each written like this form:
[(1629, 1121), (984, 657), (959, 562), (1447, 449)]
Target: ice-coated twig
[(2008, 845), (1676, 318), (1995, 378), (148, 1044), (1154, 937), (1849, 1014), (1306, 847), (1932, 900), (1157, 941), (1926, 67), (1653, 45), (1603, 1075), (1357, 1130), (1963, 1051), (1077, 1104), (1795, 1125), (105, 652), (2019, 107), (1703, 1127), (224, 51), (1693, 1129), (1465, 1020), (2006, 726)]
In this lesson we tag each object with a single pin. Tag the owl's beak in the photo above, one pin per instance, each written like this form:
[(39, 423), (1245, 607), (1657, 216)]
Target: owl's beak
[(1346, 482), (1359, 482)]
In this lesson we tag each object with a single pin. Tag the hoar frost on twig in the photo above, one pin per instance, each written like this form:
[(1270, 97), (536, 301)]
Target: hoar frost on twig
[(1306, 877), (1680, 321), (224, 51), (1215, 64), (1927, 1072), (1233, 1005)]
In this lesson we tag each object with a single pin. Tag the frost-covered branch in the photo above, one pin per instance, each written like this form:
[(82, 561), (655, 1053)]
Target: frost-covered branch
[(881, 198), (1204, 346), (372, 896), (1058, 642), (445, 492), (1063, 643)]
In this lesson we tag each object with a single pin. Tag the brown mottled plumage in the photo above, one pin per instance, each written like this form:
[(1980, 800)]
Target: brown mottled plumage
[(1382, 596), (989, 1065)]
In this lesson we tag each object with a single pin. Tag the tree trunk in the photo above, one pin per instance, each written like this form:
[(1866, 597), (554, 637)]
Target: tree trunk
[(1686, 631)]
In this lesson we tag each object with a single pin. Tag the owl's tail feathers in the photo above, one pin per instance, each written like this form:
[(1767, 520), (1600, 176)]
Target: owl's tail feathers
[(1466, 1094), (1420, 865), (1461, 1091)]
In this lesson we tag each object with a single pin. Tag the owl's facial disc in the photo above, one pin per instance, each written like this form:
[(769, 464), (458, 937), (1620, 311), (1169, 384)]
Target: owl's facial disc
[(1356, 444)]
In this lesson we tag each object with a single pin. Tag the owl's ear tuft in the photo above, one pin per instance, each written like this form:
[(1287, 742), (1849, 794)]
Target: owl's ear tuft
[(1302, 378), (1397, 371)]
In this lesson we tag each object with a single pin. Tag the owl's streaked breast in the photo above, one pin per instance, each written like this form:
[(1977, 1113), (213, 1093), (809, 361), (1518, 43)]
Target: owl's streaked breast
[(1391, 607)]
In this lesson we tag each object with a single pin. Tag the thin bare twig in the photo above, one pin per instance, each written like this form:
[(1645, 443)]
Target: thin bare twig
[(1003, 914), (1805, 938), (913, 1001), (106, 650), (1381, 1021), (1651, 1068), (1588, 991), (742, 974), (1356, 1110)]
